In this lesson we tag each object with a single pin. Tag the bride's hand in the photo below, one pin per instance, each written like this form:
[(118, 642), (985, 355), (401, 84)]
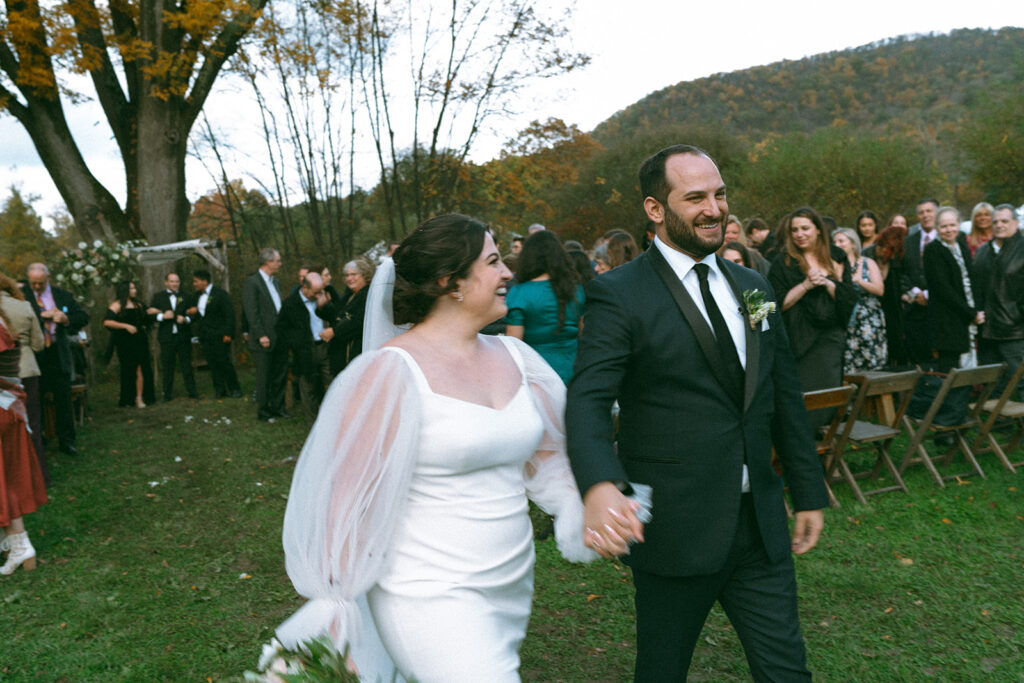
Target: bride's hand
[(610, 524)]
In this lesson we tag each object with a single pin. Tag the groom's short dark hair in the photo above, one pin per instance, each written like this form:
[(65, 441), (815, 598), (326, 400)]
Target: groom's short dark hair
[(652, 172)]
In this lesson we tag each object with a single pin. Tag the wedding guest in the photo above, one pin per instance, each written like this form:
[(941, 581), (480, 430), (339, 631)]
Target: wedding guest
[(214, 314), (867, 228), (545, 309), (915, 288), (866, 347), (174, 334), (61, 318), (409, 501), (25, 327), (734, 234), (261, 300), (817, 299), (760, 236), (999, 270), (618, 248), (737, 253), (897, 220), (344, 315), (128, 321), (22, 489), (582, 265), (887, 252), (301, 331), (981, 226), (953, 315)]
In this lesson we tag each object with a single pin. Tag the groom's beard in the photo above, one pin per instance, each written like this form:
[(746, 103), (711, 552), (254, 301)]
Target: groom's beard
[(686, 238)]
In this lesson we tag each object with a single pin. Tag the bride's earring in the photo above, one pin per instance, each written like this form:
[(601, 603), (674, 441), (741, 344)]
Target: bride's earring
[(458, 296)]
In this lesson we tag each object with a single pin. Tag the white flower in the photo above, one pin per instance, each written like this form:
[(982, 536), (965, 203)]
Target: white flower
[(78, 265), (177, 458), (153, 483), (97, 244), (82, 245), (89, 268)]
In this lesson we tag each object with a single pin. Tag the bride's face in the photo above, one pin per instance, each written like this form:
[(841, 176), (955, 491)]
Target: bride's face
[(483, 291)]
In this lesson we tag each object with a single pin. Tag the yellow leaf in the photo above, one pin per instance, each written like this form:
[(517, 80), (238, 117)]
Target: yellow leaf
[(906, 561), (592, 596), (888, 610), (946, 520)]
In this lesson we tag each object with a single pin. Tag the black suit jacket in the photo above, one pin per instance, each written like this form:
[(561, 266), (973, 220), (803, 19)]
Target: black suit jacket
[(77, 319), (219, 321), (294, 331), (913, 265), (679, 431), (949, 313), (165, 328), (259, 311)]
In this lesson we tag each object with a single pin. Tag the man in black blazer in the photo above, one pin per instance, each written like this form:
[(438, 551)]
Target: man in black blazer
[(214, 314), (705, 392), (915, 284), (261, 300), (301, 330), (999, 267), (60, 317), (174, 333)]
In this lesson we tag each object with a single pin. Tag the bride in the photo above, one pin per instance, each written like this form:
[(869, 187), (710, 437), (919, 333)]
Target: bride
[(407, 524)]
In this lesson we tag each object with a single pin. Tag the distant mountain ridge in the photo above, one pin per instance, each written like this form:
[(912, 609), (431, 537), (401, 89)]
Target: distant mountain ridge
[(920, 84)]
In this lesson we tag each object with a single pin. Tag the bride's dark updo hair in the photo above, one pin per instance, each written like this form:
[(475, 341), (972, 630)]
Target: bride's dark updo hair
[(445, 246)]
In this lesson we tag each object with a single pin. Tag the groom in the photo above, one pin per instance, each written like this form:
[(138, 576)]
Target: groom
[(705, 391)]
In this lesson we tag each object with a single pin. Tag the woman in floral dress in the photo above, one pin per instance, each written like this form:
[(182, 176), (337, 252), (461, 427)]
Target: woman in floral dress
[(866, 347)]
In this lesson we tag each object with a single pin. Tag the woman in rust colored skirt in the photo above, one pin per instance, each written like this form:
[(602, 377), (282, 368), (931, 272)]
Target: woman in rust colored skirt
[(21, 480)]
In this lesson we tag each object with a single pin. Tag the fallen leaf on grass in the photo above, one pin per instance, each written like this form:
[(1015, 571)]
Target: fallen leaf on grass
[(886, 637), (946, 520), (593, 596), (962, 482), (888, 610), (918, 602), (906, 561)]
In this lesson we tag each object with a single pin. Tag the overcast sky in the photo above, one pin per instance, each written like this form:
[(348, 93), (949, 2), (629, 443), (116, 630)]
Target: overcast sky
[(637, 46)]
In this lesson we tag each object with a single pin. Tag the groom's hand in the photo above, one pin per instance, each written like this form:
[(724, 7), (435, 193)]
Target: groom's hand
[(807, 529), (610, 524)]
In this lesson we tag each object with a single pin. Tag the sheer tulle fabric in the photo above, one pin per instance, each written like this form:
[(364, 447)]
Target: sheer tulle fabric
[(351, 483)]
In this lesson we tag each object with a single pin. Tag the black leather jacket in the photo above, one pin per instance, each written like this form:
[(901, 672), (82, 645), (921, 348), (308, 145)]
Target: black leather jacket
[(1000, 279)]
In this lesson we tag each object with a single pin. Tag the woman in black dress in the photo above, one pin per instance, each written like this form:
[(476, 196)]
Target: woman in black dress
[(127, 320), (817, 298), (345, 314), (888, 254)]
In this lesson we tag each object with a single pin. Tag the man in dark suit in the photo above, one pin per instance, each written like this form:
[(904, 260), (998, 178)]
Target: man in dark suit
[(999, 267), (261, 300), (60, 317), (706, 387), (174, 333), (302, 331), (214, 314), (915, 285)]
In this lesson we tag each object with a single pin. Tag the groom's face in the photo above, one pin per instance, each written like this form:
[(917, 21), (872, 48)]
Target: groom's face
[(695, 209)]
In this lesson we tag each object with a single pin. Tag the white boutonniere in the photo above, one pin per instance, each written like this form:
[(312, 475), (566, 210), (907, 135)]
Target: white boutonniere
[(755, 307)]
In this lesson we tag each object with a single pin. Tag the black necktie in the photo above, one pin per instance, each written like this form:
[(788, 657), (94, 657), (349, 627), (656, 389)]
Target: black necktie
[(730, 357)]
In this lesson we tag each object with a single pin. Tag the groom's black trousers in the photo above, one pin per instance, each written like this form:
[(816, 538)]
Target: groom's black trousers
[(758, 596)]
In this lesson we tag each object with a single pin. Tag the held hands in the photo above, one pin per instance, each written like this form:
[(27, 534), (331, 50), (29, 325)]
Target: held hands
[(130, 329), (226, 339), (180, 320), (807, 529), (610, 524), (192, 310), (327, 334), (265, 342), (168, 314), (979, 319)]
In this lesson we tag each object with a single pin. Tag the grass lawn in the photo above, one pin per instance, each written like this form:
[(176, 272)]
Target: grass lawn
[(160, 560)]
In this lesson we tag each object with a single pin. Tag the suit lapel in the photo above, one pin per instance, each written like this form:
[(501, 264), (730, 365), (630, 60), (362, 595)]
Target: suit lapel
[(701, 329), (753, 340)]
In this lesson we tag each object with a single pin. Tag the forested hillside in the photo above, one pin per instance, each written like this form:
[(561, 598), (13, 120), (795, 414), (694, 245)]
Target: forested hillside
[(901, 84)]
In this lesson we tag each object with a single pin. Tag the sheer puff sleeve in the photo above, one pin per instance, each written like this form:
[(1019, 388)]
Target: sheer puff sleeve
[(347, 495), (549, 480)]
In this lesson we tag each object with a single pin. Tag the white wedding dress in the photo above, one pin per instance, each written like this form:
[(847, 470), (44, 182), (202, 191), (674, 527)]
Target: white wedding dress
[(408, 522)]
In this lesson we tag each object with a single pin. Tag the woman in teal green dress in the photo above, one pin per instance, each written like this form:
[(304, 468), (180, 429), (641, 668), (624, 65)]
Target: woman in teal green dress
[(546, 308)]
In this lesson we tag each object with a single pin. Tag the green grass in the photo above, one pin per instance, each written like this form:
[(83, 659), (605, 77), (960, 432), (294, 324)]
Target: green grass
[(158, 569)]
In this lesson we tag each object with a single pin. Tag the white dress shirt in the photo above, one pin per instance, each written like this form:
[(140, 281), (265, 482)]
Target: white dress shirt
[(203, 299), (316, 325), (682, 265), (174, 306)]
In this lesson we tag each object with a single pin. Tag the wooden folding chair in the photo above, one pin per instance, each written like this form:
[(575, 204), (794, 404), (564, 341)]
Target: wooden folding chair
[(1011, 413), (916, 454), (838, 398), (858, 434)]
